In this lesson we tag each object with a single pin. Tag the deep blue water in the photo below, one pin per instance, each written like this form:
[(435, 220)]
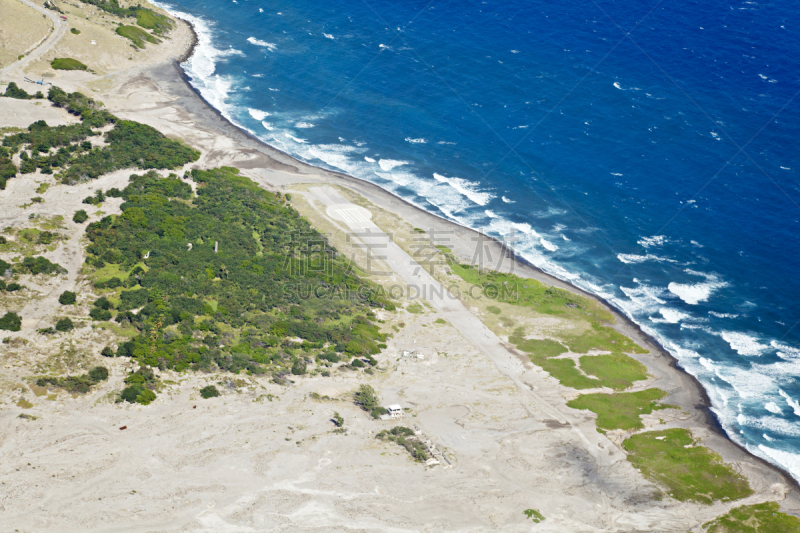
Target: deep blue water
[(647, 152)]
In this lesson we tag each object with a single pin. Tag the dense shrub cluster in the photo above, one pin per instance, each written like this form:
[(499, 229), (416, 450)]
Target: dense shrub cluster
[(77, 384), (39, 265), (146, 18), (140, 387), (14, 91), (129, 144), (11, 321), (367, 399), (194, 303), (405, 438)]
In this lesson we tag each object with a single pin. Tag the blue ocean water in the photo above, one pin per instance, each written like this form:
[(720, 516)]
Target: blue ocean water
[(647, 152)]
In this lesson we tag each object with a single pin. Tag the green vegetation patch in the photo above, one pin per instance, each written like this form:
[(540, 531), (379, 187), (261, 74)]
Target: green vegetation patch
[(621, 410), (405, 437), (615, 371), (11, 321), (66, 63), (129, 145), (75, 31), (14, 91), (760, 518), (534, 515), (149, 19), (39, 265), (264, 295), (140, 385), (689, 472), (367, 399), (209, 391), (137, 35), (76, 384)]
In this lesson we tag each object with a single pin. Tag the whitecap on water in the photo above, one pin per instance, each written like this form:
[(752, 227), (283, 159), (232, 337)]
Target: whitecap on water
[(670, 316), (268, 126), (369, 160), (772, 407), (789, 461), (695, 293), (547, 245), (328, 35), (258, 114), (794, 404), (508, 201), (744, 344), (258, 42), (655, 240), (388, 164), (416, 141), (304, 125), (634, 258), (467, 188)]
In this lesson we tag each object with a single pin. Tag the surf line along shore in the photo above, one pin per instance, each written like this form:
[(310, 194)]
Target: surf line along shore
[(266, 164)]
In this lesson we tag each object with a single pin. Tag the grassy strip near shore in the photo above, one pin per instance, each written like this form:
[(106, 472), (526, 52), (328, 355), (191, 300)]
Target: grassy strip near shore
[(616, 370), (621, 410), (760, 518), (673, 458)]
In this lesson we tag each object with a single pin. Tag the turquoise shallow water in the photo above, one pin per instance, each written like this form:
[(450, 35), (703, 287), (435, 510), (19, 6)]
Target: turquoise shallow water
[(646, 153)]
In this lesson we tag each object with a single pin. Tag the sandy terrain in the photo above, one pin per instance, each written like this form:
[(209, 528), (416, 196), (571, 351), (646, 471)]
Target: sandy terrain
[(265, 457), (22, 28)]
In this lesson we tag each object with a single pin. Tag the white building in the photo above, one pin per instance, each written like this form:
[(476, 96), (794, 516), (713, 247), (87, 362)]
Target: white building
[(395, 411)]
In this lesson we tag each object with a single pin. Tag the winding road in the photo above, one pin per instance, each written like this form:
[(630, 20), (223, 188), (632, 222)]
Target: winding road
[(60, 26)]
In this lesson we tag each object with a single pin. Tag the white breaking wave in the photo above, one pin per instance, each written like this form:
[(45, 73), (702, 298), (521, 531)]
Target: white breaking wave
[(295, 139), (467, 188), (671, 316), (695, 293), (369, 160), (772, 407), (743, 343), (634, 258), (655, 240), (722, 315), (794, 404), (508, 201), (790, 461), (490, 214), (416, 141), (268, 126), (547, 245), (328, 35), (388, 164), (258, 114), (270, 46), (304, 125)]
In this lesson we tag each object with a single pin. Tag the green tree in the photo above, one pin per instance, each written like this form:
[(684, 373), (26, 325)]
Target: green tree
[(80, 216), (209, 391), (64, 324), (299, 367), (11, 321), (67, 298), (337, 419)]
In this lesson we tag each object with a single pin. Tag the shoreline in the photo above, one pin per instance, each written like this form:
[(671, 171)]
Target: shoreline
[(703, 406)]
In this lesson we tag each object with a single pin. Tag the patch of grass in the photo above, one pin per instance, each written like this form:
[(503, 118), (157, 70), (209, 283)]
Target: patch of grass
[(415, 308), (137, 35), (149, 19), (615, 371), (494, 309), (441, 321), (75, 31), (760, 518), (602, 338), (689, 472), (620, 410), (25, 404), (534, 515), (66, 63), (77, 384), (41, 189), (209, 392)]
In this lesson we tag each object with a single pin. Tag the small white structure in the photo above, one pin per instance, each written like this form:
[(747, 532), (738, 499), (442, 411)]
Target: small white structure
[(395, 411)]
